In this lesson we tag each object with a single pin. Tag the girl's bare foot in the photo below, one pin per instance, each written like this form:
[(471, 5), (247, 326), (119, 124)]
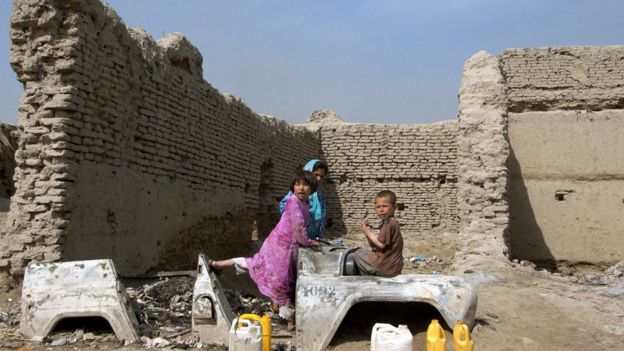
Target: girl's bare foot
[(291, 326)]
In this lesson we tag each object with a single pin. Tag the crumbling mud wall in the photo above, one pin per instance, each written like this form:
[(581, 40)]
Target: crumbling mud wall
[(482, 151), (566, 165), (125, 152), (417, 162)]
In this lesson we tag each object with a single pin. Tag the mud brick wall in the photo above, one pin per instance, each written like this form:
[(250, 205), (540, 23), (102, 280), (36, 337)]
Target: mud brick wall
[(417, 162), (125, 152), (564, 78), (566, 164)]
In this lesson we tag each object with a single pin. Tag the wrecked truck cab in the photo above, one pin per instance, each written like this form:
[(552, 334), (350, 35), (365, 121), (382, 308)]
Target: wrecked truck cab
[(325, 294), (77, 289)]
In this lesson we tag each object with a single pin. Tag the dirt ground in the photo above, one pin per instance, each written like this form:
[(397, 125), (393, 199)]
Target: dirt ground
[(520, 308)]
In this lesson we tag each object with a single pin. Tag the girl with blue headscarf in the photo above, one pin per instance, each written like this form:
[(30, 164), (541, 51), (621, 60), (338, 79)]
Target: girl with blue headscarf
[(316, 224)]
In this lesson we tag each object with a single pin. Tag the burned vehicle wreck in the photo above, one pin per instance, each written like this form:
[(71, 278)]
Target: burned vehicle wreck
[(325, 294)]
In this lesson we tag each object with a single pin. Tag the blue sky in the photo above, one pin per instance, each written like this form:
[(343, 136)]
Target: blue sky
[(387, 61)]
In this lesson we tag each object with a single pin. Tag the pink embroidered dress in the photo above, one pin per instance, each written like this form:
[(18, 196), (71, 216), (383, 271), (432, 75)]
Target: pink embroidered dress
[(274, 267)]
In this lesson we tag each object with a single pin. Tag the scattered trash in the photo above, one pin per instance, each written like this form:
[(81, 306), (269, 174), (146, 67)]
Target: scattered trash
[(58, 342), (418, 258), (337, 242)]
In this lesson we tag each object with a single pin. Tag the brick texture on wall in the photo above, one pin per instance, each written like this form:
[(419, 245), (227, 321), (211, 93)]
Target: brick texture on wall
[(417, 162), (564, 78), (109, 102)]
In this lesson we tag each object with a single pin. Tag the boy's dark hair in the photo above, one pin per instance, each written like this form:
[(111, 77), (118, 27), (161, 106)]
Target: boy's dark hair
[(388, 194), (304, 176), (320, 165)]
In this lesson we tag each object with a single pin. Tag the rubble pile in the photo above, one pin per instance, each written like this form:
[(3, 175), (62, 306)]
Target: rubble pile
[(611, 283), (243, 303), (163, 308)]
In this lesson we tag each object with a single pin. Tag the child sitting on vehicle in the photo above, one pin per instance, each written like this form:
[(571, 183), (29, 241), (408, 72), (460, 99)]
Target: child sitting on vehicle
[(386, 257)]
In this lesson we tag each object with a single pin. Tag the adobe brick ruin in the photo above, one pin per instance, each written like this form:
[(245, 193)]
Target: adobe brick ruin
[(125, 152)]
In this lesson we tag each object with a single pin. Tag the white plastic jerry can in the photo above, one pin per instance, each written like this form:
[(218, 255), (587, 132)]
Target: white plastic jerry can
[(386, 337), (245, 335)]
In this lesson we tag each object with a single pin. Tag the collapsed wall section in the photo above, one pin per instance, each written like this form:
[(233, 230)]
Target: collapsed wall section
[(125, 152), (417, 162), (566, 176)]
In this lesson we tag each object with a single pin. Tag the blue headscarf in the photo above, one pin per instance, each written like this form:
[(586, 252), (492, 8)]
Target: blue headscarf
[(316, 224), (317, 210)]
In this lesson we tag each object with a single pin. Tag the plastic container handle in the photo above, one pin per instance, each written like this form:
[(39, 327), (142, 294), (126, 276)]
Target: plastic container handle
[(461, 337), (265, 327), (436, 339), (239, 324)]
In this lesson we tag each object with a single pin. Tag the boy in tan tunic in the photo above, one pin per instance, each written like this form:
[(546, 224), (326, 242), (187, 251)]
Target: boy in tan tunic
[(386, 257)]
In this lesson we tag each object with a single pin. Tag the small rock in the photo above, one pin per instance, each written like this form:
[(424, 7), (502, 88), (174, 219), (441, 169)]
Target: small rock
[(109, 338), (526, 340), (88, 337), (78, 334), (492, 315), (12, 345)]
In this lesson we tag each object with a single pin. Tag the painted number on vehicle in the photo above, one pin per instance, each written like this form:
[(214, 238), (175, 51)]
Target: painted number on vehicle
[(319, 291)]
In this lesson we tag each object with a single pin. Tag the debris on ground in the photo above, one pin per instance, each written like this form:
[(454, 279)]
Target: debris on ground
[(427, 265), (611, 283), (163, 308)]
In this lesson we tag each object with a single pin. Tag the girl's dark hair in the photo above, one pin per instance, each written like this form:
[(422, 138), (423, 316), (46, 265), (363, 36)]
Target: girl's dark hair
[(304, 176), (320, 165)]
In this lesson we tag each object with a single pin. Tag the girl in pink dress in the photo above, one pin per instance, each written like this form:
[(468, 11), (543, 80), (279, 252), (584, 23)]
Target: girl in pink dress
[(274, 267)]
